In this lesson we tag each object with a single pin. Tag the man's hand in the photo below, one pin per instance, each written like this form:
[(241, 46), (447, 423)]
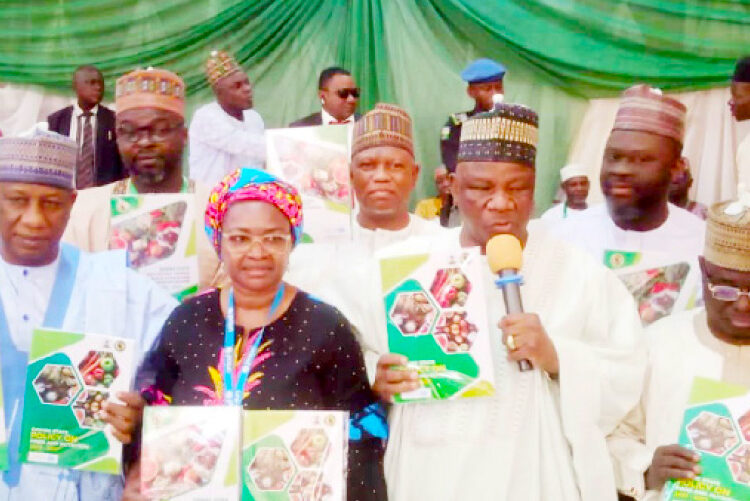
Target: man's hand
[(529, 341), (393, 377), (671, 461), (126, 417)]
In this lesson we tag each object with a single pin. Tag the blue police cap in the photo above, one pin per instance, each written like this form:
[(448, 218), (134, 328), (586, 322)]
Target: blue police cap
[(483, 70)]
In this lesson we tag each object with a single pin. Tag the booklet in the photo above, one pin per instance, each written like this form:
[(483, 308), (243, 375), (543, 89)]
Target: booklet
[(294, 455), (158, 232), (716, 424), (191, 453), (660, 284), (435, 314), (69, 376), (315, 160)]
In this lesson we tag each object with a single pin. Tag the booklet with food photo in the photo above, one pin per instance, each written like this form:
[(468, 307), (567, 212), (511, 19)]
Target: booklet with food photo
[(69, 376), (191, 453), (436, 315), (158, 233), (294, 455), (315, 160), (660, 284), (716, 425)]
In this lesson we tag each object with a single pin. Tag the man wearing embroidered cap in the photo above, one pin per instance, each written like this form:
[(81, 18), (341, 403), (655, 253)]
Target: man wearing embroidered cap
[(638, 224), (383, 175), (228, 133), (151, 137), (575, 185), (485, 79), (44, 283), (711, 342), (539, 437)]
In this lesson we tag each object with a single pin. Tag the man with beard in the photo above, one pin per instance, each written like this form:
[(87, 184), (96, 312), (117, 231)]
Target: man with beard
[(541, 435), (642, 155), (92, 126), (711, 342), (575, 184), (151, 136), (339, 96), (228, 133)]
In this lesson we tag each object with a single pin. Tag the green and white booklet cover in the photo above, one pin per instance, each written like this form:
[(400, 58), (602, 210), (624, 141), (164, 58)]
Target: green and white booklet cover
[(716, 424), (69, 376), (294, 455), (660, 284), (191, 453), (436, 315), (158, 233)]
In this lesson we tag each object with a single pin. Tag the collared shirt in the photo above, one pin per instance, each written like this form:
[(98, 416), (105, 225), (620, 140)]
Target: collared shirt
[(328, 119), (77, 121)]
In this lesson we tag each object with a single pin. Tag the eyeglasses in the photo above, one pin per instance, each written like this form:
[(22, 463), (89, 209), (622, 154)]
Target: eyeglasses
[(242, 243), (345, 93), (158, 132), (727, 292)]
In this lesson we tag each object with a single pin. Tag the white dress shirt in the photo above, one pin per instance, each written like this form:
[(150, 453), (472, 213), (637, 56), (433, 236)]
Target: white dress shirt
[(76, 117), (328, 119)]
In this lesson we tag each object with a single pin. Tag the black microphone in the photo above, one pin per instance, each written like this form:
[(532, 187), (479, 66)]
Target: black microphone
[(504, 255)]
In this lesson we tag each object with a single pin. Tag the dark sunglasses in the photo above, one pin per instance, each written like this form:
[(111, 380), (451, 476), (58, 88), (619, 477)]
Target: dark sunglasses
[(345, 93)]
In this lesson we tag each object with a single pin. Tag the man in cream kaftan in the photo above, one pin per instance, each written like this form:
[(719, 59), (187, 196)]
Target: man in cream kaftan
[(711, 342)]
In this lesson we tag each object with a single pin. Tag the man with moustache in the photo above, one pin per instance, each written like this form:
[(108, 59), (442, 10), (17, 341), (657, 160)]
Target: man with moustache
[(642, 155), (151, 136), (46, 283), (542, 434), (711, 342), (92, 126), (228, 133)]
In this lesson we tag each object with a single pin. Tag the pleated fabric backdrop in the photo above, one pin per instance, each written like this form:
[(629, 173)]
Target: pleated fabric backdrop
[(559, 53)]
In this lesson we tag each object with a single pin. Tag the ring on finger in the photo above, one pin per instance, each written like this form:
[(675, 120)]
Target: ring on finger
[(510, 342)]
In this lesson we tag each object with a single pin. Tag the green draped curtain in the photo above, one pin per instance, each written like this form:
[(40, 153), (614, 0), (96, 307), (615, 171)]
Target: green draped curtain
[(409, 52)]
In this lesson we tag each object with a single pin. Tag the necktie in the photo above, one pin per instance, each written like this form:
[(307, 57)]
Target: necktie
[(85, 167)]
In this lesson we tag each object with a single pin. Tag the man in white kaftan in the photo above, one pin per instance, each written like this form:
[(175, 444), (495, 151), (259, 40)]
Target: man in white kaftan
[(542, 435), (711, 342), (228, 133), (46, 284), (642, 154)]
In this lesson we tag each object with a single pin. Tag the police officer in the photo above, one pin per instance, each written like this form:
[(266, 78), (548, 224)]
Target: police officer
[(485, 78)]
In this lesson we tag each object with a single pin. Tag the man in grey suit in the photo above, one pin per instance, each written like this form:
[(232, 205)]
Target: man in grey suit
[(92, 126), (339, 96)]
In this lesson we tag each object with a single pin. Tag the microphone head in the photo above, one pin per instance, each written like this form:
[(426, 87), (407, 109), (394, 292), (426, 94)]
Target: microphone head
[(504, 252)]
